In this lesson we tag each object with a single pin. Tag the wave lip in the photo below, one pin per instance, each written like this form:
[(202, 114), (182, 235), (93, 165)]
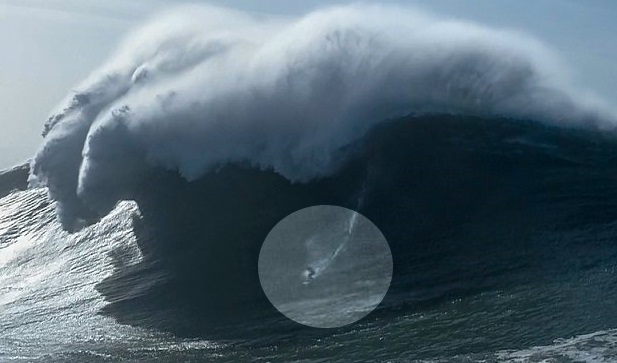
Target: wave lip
[(288, 95), (15, 178)]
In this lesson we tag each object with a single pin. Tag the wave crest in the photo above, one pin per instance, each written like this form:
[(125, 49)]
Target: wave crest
[(205, 87)]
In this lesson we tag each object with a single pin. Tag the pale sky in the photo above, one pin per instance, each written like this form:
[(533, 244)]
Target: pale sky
[(49, 46)]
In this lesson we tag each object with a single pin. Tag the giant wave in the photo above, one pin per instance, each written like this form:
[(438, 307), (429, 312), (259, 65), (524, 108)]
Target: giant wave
[(491, 176)]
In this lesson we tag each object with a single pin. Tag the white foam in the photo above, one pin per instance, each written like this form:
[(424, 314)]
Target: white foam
[(598, 347), (202, 87)]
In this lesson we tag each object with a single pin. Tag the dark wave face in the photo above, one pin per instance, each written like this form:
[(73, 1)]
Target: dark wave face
[(504, 227)]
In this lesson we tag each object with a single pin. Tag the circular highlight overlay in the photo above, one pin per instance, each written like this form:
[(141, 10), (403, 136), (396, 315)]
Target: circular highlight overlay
[(325, 266)]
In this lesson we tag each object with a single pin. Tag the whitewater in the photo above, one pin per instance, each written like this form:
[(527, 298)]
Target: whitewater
[(134, 231), (204, 87)]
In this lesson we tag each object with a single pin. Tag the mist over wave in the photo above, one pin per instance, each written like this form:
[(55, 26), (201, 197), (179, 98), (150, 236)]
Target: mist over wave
[(203, 87)]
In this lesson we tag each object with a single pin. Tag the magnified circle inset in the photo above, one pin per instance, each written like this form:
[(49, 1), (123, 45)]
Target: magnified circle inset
[(325, 266)]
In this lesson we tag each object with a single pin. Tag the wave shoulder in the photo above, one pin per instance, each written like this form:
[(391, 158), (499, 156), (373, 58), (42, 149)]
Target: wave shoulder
[(15, 178)]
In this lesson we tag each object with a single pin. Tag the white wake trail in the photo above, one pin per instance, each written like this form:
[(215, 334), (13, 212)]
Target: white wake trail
[(319, 261)]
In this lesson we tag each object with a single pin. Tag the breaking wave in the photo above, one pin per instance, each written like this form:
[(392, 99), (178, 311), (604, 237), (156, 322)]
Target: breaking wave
[(491, 176), (204, 87)]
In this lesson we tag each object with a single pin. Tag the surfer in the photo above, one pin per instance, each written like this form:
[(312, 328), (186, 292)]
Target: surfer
[(309, 275)]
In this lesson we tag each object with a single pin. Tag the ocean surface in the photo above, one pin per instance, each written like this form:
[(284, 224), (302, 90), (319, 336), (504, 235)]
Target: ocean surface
[(502, 235)]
